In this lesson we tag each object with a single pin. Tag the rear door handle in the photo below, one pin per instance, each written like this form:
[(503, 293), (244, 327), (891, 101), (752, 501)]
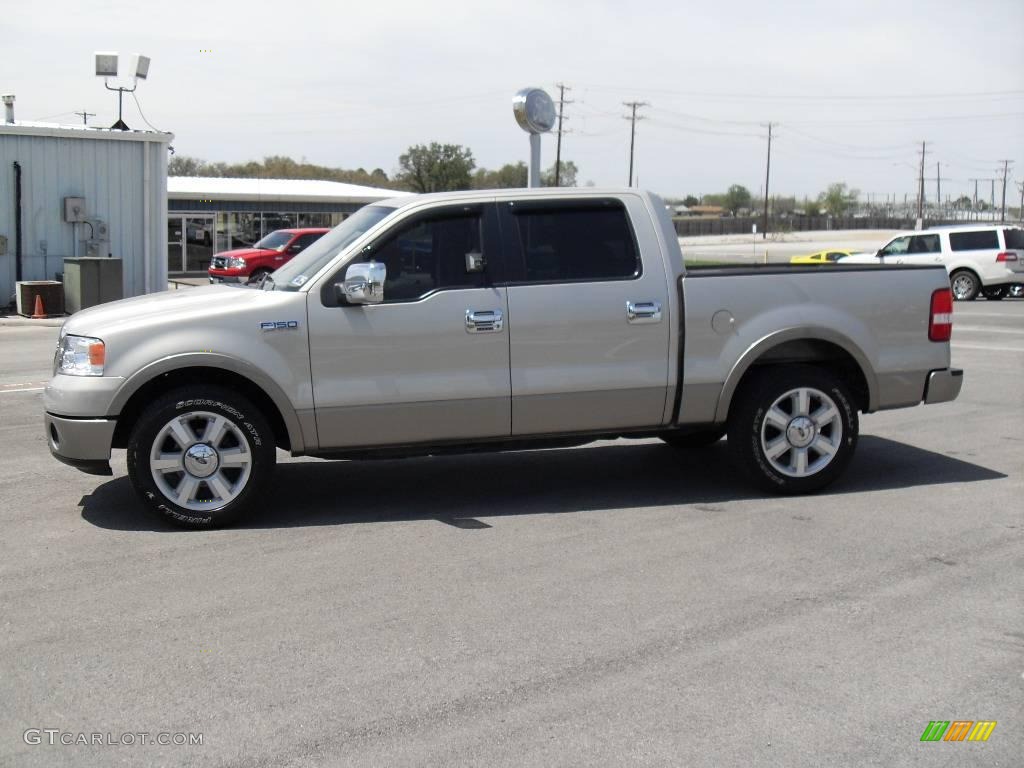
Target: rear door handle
[(643, 311), (484, 321)]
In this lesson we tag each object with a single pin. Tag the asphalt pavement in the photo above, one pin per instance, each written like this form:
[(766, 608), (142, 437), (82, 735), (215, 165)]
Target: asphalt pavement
[(616, 604)]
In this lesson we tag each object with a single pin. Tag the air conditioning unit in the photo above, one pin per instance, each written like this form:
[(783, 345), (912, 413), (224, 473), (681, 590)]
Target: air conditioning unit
[(50, 291)]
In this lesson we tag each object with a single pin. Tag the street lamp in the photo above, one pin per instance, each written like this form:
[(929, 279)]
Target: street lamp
[(535, 112), (107, 66)]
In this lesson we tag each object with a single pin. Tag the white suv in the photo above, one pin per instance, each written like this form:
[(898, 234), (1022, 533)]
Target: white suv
[(979, 259)]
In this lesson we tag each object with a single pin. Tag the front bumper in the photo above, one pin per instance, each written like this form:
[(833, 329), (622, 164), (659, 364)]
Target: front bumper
[(943, 385), (227, 278), (81, 443)]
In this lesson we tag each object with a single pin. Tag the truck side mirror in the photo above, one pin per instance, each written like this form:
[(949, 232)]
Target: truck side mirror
[(364, 283)]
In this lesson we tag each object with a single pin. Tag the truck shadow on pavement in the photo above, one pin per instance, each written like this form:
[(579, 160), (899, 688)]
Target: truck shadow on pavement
[(457, 490)]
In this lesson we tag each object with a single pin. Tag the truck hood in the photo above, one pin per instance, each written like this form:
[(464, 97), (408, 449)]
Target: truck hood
[(188, 305)]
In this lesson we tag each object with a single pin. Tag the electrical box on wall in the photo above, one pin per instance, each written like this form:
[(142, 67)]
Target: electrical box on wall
[(74, 210)]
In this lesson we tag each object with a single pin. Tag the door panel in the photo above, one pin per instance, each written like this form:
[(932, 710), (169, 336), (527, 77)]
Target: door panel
[(429, 364), (587, 354), (409, 372)]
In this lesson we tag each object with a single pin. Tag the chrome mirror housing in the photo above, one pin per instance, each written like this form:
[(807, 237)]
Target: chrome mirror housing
[(364, 283)]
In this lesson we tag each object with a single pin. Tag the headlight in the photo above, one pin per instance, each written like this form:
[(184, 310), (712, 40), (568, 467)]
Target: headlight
[(79, 356), (236, 262)]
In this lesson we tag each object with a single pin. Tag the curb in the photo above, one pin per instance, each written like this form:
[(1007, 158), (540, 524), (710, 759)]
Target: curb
[(27, 322)]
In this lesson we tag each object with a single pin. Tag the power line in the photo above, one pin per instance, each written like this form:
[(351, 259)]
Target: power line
[(634, 106)]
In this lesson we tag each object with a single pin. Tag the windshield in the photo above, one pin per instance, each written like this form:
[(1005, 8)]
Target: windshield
[(275, 241), (299, 270)]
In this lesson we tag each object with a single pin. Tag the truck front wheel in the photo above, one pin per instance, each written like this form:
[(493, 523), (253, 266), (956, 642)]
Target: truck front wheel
[(794, 429), (200, 456)]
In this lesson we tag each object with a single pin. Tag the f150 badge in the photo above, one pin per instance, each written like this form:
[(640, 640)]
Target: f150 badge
[(279, 325)]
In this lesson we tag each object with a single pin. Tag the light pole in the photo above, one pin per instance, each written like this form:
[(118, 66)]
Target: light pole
[(106, 67)]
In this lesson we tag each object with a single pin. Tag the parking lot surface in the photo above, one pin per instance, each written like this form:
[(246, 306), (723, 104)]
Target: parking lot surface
[(617, 604)]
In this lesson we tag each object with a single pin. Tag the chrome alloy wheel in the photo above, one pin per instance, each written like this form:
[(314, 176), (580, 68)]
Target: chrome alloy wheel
[(801, 432), (200, 460), (963, 286)]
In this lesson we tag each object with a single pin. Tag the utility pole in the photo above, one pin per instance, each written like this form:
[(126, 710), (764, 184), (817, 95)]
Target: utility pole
[(767, 177), (1006, 170), (85, 116), (558, 146), (1021, 211), (938, 187), (634, 105), (920, 185)]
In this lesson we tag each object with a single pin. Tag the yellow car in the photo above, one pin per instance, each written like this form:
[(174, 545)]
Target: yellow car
[(821, 257)]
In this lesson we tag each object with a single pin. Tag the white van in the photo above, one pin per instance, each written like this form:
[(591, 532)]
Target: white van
[(979, 259)]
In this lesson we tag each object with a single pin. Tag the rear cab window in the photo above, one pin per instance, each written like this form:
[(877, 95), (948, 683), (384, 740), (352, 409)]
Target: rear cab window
[(574, 241)]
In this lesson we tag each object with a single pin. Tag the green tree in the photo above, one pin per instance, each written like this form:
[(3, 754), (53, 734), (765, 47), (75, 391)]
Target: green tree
[(689, 201), (567, 177), (509, 176), (736, 197), (436, 167), (183, 165), (838, 199)]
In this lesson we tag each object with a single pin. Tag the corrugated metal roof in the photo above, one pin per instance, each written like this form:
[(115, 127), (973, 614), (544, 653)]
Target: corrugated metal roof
[(29, 128), (293, 190)]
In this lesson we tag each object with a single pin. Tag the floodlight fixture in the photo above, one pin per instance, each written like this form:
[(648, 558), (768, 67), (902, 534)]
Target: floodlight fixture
[(106, 64), (106, 67), (535, 112)]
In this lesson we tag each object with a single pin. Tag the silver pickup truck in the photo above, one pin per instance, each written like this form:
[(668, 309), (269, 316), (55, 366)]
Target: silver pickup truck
[(494, 320)]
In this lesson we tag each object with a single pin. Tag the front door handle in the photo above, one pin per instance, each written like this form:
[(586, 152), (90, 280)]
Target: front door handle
[(643, 311), (485, 321)]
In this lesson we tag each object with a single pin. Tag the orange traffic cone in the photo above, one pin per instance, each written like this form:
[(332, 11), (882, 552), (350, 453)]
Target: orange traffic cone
[(39, 311)]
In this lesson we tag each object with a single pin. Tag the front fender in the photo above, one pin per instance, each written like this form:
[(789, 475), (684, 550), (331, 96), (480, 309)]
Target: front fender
[(172, 363)]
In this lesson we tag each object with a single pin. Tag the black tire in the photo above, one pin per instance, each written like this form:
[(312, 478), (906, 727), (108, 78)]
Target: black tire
[(997, 293), (246, 435), (965, 285), (257, 275), (693, 440), (750, 429)]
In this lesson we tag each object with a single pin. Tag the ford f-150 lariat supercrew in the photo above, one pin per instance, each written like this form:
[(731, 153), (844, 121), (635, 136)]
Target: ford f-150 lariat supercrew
[(486, 321)]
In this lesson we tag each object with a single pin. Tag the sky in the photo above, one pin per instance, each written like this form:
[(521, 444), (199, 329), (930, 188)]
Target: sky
[(852, 89)]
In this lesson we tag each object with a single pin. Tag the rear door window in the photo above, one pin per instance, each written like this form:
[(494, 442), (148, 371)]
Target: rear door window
[(585, 242), (925, 244), (979, 240)]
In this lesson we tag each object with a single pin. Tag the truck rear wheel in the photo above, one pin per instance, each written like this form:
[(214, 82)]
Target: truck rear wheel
[(200, 456), (793, 430)]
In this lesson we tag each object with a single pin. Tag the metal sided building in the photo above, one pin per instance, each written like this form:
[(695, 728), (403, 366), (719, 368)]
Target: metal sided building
[(119, 179), (207, 215)]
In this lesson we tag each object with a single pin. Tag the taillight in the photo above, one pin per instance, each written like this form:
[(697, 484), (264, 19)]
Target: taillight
[(940, 324), (1006, 256)]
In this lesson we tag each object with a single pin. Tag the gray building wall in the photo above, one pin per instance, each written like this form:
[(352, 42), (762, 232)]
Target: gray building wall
[(121, 175)]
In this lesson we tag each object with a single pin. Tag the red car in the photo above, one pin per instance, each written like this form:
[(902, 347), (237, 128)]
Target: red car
[(244, 265)]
